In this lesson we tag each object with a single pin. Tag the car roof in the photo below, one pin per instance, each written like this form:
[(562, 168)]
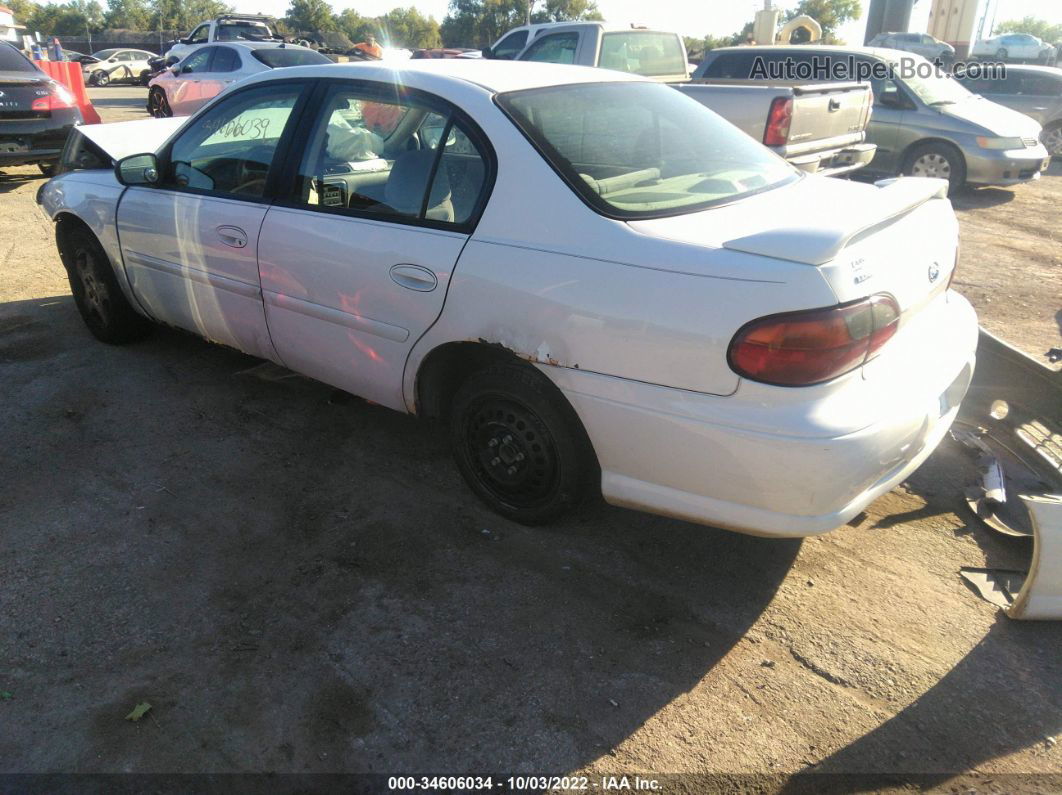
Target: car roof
[(437, 73), (885, 53), (260, 45), (1047, 70)]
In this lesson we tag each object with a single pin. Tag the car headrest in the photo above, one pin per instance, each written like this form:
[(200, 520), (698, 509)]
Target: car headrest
[(409, 176)]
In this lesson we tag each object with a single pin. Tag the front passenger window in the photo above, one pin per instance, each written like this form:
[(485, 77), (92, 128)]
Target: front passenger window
[(230, 148)]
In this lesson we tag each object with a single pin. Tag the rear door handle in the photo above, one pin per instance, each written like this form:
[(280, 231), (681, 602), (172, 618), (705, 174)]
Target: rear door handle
[(414, 277), (232, 236), (835, 104)]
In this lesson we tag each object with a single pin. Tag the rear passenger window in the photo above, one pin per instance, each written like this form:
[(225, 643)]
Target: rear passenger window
[(731, 65), (393, 157), (225, 60)]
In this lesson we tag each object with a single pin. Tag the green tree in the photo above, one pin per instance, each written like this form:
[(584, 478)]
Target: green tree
[(74, 18), (183, 15), (22, 10), (566, 10), (128, 15), (311, 15), (1040, 28), (831, 14), (479, 23), (407, 27), (354, 25)]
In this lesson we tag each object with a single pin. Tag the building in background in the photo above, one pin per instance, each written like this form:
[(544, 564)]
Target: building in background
[(9, 29)]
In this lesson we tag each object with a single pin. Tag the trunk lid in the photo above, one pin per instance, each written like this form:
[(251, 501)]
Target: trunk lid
[(831, 112), (18, 90)]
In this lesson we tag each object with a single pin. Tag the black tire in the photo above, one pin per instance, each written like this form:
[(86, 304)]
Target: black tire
[(145, 77), (158, 105), (101, 302), (936, 159), (48, 169), (519, 444), (101, 79), (1001, 54), (1051, 137)]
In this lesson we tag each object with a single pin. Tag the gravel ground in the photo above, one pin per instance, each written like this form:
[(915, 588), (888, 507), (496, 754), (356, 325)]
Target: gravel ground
[(298, 581)]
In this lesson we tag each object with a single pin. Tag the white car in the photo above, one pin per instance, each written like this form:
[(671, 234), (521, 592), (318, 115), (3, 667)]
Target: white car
[(1014, 47), (596, 280), (118, 65), (188, 85)]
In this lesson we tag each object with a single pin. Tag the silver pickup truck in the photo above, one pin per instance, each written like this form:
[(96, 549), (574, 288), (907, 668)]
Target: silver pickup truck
[(819, 128)]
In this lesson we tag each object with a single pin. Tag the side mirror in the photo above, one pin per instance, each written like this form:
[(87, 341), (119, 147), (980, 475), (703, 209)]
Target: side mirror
[(488, 53), (186, 70), (137, 170), (173, 59)]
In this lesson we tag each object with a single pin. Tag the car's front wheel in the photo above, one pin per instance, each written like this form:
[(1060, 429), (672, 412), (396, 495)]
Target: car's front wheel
[(158, 105), (936, 160), (1052, 138), (101, 302), (519, 444), (100, 79), (1001, 53)]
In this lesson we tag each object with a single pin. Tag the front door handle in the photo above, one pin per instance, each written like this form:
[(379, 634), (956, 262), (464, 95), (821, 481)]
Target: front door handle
[(232, 236), (414, 277)]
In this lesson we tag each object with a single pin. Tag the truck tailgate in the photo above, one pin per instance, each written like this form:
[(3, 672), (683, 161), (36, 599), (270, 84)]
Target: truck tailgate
[(837, 113)]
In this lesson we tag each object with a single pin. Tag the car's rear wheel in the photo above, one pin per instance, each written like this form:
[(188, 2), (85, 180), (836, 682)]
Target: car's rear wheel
[(936, 160), (158, 105), (1052, 138), (101, 302), (1001, 53), (100, 79), (519, 444)]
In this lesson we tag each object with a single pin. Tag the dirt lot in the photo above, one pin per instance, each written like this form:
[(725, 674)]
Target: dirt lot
[(297, 581)]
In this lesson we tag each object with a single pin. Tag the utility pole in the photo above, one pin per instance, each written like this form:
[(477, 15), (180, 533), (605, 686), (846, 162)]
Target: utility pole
[(529, 4)]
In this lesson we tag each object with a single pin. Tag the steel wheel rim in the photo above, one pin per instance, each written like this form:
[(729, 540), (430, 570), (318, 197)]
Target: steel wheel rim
[(94, 293), (1052, 139), (511, 451), (932, 164)]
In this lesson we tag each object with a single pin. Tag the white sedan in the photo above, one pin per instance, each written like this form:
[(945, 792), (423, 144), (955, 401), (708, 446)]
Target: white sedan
[(118, 65), (1014, 47), (597, 281), (189, 84)]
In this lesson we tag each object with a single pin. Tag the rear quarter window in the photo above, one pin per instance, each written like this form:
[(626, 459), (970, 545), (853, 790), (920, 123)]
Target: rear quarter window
[(277, 58)]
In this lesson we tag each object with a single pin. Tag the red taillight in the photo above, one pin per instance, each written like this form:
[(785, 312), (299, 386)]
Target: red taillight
[(778, 119), (803, 348), (59, 97)]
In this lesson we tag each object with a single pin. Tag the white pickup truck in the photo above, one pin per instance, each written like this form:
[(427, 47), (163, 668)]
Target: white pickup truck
[(227, 27), (818, 128)]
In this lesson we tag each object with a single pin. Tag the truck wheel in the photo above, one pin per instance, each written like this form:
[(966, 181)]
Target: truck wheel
[(936, 160), (1052, 139), (99, 299), (519, 444)]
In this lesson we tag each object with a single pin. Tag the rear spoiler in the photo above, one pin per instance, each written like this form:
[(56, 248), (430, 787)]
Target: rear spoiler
[(820, 244)]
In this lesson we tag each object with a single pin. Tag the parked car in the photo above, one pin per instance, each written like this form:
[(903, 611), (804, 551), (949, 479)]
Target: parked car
[(624, 48), (188, 85), (818, 128), (709, 335), (924, 125), (36, 113), (118, 65), (227, 27), (923, 44), (1035, 91), (1014, 47)]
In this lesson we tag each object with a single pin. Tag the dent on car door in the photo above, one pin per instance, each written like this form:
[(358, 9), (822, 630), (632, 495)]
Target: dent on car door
[(190, 244), (356, 262)]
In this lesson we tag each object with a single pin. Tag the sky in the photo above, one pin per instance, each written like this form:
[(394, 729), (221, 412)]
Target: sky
[(688, 17)]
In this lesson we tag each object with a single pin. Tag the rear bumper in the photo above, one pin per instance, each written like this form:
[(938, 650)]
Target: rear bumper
[(835, 162), (36, 140), (768, 461), (1005, 167)]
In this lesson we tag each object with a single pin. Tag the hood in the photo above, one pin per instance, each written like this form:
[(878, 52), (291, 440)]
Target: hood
[(125, 138), (997, 119), (809, 221)]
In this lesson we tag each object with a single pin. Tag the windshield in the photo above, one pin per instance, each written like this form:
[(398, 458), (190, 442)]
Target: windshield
[(103, 55), (277, 57), (11, 60), (232, 31), (932, 87), (641, 150)]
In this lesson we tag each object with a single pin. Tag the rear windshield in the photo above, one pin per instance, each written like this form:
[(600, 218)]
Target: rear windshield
[(275, 58), (641, 150), (234, 31), (643, 53), (11, 60)]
